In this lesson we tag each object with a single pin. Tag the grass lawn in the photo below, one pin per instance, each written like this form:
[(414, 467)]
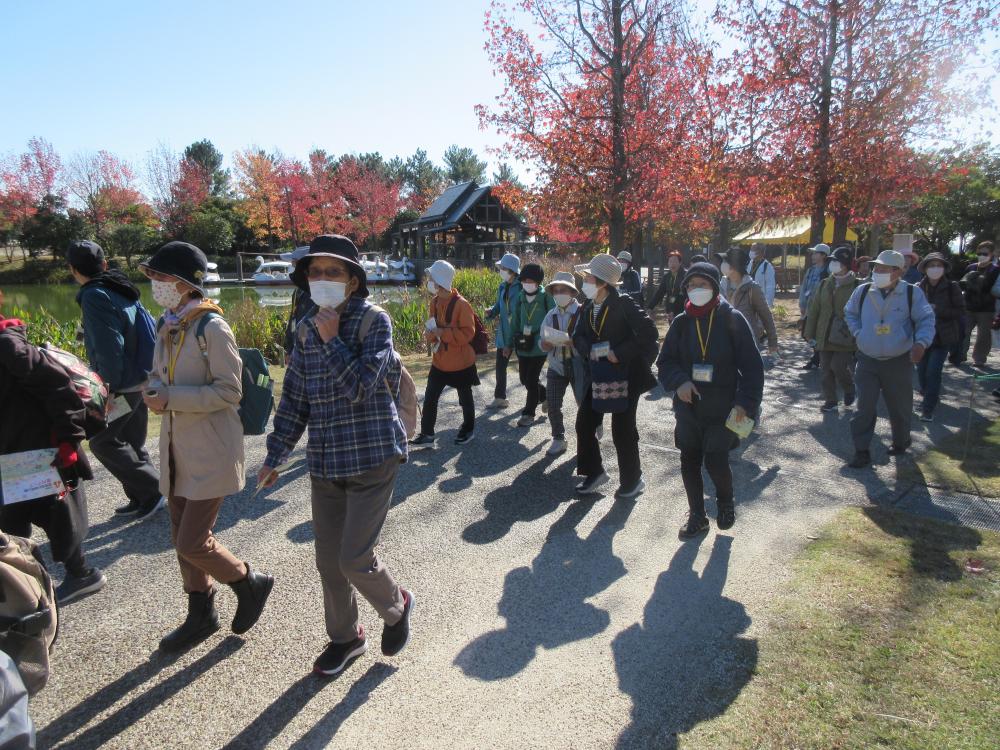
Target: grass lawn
[(884, 639), (978, 474)]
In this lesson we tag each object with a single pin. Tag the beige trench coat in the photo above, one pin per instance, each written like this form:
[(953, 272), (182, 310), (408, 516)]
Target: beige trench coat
[(201, 429)]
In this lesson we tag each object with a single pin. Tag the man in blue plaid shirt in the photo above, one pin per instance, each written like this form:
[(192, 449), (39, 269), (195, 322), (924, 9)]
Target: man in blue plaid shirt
[(343, 387)]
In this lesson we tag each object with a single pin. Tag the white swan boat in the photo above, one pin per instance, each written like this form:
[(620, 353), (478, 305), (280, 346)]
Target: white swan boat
[(376, 269), (402, 271), (273, 272)]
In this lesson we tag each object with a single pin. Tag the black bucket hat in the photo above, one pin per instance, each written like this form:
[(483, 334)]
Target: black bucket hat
[(706, 271), (922, 266), (331, 246), (183, 261)]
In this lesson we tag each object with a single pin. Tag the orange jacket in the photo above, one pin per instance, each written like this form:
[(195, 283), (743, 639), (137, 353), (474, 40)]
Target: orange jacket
[(455, 352)]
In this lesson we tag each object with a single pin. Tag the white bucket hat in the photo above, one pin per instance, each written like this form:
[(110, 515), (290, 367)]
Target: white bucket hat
[(605, 268), (563, 278), (509, 261), (442, 273)]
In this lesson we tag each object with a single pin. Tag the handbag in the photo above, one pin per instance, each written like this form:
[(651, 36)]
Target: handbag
[(524, 342), (610, 387), (840, 334)]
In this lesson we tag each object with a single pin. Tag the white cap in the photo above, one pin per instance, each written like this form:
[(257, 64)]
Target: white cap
[(891, 258), (821, 248), (625, 256), (442, 273)]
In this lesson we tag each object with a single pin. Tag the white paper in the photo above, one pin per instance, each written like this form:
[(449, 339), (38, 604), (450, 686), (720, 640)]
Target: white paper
[(554, 335), (29, 475), (118, 408), (431, 324)]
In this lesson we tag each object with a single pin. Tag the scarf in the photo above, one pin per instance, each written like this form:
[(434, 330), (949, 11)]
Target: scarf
[(701, 312), (6, 323), (193, 310)]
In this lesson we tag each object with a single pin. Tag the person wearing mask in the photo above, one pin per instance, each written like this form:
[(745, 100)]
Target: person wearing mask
[(196, 386), (980, 304), (893, 325), (810, 283), (617, 341), (631, 283), (42, 411), (564, 364), (342, 384), (762, 272), (449, 334), (945, 297), (530, 308), (746, 297), (509, 268), (826, 328), (912, 275), (669, 291), (863, 268), (711, 361), (112, 318)]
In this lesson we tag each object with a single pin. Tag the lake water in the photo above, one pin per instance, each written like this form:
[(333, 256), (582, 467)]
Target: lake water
[(60, 299)]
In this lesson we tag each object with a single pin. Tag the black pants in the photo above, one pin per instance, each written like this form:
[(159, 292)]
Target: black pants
[(717, 464), (501, 388), (63, 521), (530, 371), (122, 450), (435, 387), (623, 432)]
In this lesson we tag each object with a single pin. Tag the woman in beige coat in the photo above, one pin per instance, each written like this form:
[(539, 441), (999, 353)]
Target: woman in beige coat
[(745, 295), (195, 385)]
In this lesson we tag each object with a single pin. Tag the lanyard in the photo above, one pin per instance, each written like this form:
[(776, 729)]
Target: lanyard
[(604, 319), (703, 343), (531, 310), (172, 361)]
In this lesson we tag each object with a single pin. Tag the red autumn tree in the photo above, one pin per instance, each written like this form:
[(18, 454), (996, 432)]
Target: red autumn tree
[(296, 202), (105, 187), (327, 209), (371, 200), (25, 180), (258, 184)]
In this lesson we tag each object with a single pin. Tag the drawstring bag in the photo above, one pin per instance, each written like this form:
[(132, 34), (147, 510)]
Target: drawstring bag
[(610, 387)]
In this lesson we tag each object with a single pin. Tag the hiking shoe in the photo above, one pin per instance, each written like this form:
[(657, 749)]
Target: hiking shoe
[(148, 510), (336, 656), (421, 441), (526, 420), (926, 417), (202, 620), (558, 446), (695, 525), (465, 437), (727, 516), (395, 637), (848, 399), (626, 493), (77, 587), (251, 595), (899, 450), (860, 460), (498, 403), (590, 485), (828, 406), (131, 509)]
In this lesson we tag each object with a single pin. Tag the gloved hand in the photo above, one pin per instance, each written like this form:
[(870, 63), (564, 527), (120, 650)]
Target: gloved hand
[(66, 456)]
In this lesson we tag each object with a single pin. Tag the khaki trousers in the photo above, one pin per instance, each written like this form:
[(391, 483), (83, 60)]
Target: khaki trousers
[(201, 557), (348, 515)]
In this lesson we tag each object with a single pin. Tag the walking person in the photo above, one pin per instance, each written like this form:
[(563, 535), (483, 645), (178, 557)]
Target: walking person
[(912, 273), (746, 297), (617, 341), (945, 297), (449, 333), (115, 331), (631, 283), (530, 308), (564, 363), (196, 385), (893, 325), (827, 331), (343, 386), (810, 283), (509, 267), (762, 271), (42, 410), (710, 359), (669, 290), (980, 304)]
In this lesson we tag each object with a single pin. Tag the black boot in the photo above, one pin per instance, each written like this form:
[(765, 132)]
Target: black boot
[(202, 620), (251, 593)]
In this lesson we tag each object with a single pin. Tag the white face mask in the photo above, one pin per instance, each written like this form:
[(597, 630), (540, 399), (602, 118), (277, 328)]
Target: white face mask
[(327, 293), (881, 280), (166, 295), (835, 267), (700, 297), (529, 287), (984, 258), (935, 272), (725, 268), (432, 287), (589, 290), (563, 300)]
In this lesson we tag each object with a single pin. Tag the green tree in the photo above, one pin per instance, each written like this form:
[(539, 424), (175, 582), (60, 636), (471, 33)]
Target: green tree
[(423, 180), (128, 240), (208, 157), (211, 230), (52, 227), (462, 165)]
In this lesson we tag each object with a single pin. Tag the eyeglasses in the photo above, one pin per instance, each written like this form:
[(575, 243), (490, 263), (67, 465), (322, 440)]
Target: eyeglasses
[(315, 273)]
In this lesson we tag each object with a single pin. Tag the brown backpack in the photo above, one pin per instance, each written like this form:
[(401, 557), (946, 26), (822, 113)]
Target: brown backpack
[(29, 620), (406, 400)]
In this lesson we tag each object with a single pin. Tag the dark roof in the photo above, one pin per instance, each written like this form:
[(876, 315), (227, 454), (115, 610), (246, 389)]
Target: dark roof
[(445, 202)]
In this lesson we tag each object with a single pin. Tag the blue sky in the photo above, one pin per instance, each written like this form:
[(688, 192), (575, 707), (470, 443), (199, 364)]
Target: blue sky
[(382, 75)]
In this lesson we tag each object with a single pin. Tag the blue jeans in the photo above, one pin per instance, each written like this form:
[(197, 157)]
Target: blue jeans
[(929, 375)]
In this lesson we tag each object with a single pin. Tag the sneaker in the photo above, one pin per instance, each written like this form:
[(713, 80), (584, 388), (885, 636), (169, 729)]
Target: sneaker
[(132, 508), (148, 510), (395, 637), (848, 399), (810, 365), (498, 403), (695, 525), (558, 446), (526, 420), (336, 656), (899, 450), (995, 393), (590, 485), (828, 406), (77, 587), (926, 417), (627, 493), (860, 460), (423, 441), (727, 516), (464, 437)]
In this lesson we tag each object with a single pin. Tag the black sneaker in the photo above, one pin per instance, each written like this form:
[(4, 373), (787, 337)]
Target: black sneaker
[(828, 406), (926, 416), (899, 450), (149, 509), (336, 656), (860, 460), (848, 399), (423, 441), (395, 637), (695, 525), (132, 508), (727, 516), (626, 493), (77, 587), (591, 485), (995, 393), (465, 437)]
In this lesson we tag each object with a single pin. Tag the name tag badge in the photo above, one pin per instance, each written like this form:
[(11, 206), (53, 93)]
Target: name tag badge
[(526, 330), (883, 330), (702, 373), (602, 349)]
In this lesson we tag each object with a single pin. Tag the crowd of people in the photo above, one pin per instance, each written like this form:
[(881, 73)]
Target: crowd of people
[(587, 331)]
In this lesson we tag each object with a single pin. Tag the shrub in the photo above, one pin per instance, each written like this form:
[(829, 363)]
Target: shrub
[(42, 327)]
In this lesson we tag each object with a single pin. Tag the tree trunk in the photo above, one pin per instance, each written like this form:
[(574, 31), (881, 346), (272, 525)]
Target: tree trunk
[(619, 164), (874, 240), (823, 180), (840, 221)]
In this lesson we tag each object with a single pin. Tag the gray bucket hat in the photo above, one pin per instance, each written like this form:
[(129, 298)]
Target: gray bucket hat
[(563, 278), (605, 268)]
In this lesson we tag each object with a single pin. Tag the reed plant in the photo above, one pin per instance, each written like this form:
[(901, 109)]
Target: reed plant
[(42, 327)]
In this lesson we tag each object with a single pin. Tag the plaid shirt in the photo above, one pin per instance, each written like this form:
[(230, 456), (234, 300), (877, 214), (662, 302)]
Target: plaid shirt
[(339, 390)]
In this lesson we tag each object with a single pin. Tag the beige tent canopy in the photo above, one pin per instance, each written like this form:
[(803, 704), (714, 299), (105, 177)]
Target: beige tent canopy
[(792, 231)]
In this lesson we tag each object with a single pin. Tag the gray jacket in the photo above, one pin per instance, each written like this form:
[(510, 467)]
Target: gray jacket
[(889, 327)]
